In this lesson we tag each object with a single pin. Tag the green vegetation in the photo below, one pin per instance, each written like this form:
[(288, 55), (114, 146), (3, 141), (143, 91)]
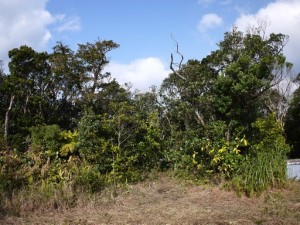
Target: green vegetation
[(292, 123), (67, 127)]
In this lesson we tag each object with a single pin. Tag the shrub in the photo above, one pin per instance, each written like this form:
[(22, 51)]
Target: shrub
[(265, 166), (88, 137), (46, 139), (206, 156)]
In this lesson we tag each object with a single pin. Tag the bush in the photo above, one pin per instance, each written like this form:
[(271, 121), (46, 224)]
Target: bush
[(88, 178), (265, 166), (46, 139), (89, 142), (205, 157), (12, 173)]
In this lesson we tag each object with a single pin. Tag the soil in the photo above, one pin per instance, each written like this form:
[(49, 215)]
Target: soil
[(166, 200)]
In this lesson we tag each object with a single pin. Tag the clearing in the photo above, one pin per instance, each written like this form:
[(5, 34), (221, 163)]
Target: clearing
[(166, 200)]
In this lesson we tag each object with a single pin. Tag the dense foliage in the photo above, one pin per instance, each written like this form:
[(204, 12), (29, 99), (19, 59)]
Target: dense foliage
[(292, 123), (64, 121)]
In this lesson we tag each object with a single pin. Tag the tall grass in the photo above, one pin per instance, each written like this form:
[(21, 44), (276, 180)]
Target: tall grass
[(261, 171), (46, 198), (24, 187)]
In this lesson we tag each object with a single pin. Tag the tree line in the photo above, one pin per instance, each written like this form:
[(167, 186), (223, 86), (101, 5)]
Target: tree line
[(63, 119)]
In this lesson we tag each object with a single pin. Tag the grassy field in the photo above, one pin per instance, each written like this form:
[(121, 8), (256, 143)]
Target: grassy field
[(166, 200)]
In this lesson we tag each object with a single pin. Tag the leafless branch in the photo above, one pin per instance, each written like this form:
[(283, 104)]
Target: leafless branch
[(284, 87), (178, 65), (259, 28), (6, 126), (200, 118)]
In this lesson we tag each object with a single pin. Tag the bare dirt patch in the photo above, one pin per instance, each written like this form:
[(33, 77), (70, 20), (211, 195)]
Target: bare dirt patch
[(167, 200)]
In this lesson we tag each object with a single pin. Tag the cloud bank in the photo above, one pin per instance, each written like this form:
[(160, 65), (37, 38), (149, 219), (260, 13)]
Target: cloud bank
[(23, 22), (27, 23)]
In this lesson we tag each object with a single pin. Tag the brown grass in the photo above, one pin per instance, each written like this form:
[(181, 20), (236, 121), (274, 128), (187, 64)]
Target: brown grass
[(166, 200)]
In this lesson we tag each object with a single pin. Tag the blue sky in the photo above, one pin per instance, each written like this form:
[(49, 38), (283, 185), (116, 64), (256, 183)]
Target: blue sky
[(143, 28)]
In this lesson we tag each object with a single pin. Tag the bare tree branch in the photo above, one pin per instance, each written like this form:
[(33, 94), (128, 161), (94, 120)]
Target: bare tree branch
[(178, 65), (6, 126), (200, 118)]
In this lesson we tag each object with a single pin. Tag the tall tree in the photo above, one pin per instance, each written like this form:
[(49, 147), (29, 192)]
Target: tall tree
[(81, 82), (68, 78), (108, 93), (3, 100), (92, 58), (187, 97), (248, 65), (69, 82), (30, 89), (292, 123)]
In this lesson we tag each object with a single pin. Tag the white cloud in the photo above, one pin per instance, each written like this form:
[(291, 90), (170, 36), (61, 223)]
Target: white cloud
[(27, 23), (68, 23), (209, 21), (141, 73), (205, 2), (283, 17), (23, 22)]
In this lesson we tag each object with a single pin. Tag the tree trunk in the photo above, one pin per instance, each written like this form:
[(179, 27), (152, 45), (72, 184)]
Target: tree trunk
[(6, 124)]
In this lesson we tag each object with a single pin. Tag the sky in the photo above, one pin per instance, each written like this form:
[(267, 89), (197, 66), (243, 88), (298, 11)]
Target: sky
[(144, 29)]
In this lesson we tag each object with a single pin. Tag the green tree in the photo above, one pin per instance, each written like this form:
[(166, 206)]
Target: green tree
[(90, 137), (108, 93), (68, 79), (80, 81), (292, 124), (248, 65), (186, 102), (69, 82), (210, 104), (3, 104), (92, 57), (29, 87), (122, 124)]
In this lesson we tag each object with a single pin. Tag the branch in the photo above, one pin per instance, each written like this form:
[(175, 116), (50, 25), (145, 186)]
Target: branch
[(6, 123), (178, 65), (200, 118)]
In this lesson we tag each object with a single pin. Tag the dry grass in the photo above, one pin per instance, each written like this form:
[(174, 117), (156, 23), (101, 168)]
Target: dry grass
[(167, 200)]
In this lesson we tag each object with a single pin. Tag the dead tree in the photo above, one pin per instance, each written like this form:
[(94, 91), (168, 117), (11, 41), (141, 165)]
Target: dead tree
[(177, 70)]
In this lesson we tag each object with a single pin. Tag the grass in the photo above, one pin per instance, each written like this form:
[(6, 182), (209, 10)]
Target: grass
[(159, 200), (260, 172)]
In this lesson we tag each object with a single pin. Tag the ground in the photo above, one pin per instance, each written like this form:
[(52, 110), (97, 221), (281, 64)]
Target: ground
[(166, 200)]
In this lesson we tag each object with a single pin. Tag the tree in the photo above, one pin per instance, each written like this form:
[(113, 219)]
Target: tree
[(92, 58), (134, 139), (68, 79), (209, 106), (3, 103), (80, 80), (248, 65), (292, 123), (69, 83), (187, 97), (109, 92), (29, 87)]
